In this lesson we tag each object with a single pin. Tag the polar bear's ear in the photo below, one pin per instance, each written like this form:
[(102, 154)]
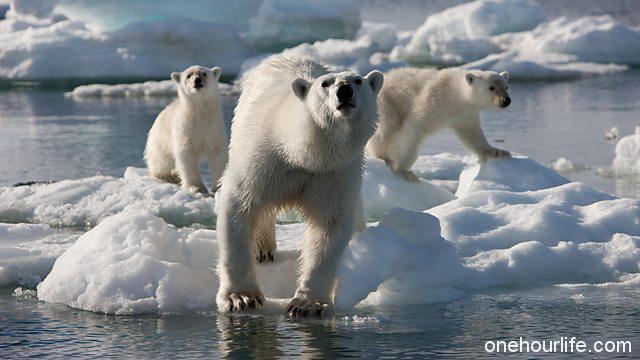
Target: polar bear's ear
[(175, 76), (505, 76), (375, 80), (470, 77), (300, 87), (216, 72)]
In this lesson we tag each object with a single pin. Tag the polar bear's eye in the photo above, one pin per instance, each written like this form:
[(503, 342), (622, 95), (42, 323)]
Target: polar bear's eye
[(491, 88), (506, 88), (204, 74), (326, 83), (358, 81), (189, 76)]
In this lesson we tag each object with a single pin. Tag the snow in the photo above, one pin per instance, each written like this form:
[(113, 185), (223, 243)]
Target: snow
[(515, 174), (461, 33), (517, 223), (85, 202), (382, 191), (562, 164), (281, 23), (627, 159), (28, 251), (56, 47), (144, 89), (65, 39)]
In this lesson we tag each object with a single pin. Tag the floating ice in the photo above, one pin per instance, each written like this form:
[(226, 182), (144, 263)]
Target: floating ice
[(145, 89), (27, 253), (85, 202), (562, 164), (360, 55), (382, 191), (529, 230), (627, 159), (515, 174), (60, 48), (461, 33), (281, 23), (563, 48)]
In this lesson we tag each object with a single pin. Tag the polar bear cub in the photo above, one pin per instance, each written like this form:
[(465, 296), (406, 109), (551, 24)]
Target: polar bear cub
[(415, 103), (297, 140), (189, 129)]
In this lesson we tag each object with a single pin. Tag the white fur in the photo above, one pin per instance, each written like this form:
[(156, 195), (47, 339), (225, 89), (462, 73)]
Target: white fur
[(415, 103), (189, 129), (290, 146)]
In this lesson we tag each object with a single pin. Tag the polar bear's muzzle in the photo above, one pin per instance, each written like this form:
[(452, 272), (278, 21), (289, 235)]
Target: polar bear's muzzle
[(504, 101), (345, 96)]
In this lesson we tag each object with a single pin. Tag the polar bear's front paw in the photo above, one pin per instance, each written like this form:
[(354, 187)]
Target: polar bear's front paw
[(299, 307), (239, 301)]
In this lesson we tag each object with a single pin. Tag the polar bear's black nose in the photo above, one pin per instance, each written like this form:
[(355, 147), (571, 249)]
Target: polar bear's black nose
[(505, 102), (198, 82), (345, 93)]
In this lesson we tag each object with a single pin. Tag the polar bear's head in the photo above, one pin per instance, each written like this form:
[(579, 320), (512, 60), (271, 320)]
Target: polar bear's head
[(338, 98), (196, 81), (488, 89)]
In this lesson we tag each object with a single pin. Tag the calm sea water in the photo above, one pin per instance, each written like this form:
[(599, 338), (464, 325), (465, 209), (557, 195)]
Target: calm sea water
[(454, 330), (46, 136)]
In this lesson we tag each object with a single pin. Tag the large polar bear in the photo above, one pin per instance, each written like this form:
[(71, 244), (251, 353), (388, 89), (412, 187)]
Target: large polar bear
[(297, 139), (189, 129), (415, 103)]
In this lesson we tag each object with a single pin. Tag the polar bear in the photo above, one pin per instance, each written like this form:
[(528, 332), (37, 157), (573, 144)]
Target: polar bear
[(189, 129), (297, 140), (415, 103)]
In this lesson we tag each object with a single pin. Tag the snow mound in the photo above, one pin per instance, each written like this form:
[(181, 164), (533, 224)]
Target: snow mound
[(563, 48), (460, 34), (27, 253), (85, 202), (134, 263), (382, 191), (144, 89), (282, 23), (627, 159), (616, 42), (515, 174)]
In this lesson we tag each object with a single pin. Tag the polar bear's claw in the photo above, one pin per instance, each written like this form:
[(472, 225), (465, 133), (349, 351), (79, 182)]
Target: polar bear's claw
[(264, 257), (302, 307), (239, 302)]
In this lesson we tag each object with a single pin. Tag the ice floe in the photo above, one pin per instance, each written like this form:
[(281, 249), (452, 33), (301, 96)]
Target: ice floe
[(85, 202), (282, 23), (518, 223), (627, 158)]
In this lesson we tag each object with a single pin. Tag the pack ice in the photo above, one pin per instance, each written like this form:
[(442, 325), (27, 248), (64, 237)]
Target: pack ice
[(514, 222)]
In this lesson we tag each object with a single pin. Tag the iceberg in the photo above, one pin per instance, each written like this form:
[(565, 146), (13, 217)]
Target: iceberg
[(461, 33), (282, 23)]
